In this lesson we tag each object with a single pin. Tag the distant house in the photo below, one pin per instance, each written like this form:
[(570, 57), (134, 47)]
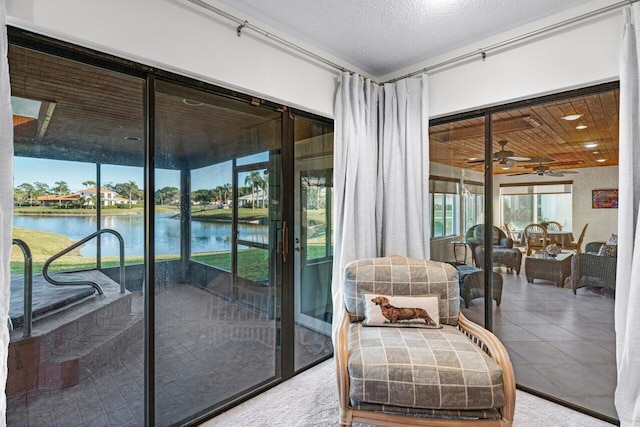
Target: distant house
[(86, 197), (108, 197), (56, 200)]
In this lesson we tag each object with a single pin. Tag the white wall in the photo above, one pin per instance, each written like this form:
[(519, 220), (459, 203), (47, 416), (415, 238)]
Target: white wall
[(180, 37), (602, 222), (577, 56)]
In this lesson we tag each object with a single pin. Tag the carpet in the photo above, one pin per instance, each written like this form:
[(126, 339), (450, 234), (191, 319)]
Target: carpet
[(310, 399)]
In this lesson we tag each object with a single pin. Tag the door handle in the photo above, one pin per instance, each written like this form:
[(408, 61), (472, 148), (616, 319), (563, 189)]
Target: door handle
[(285, 241)]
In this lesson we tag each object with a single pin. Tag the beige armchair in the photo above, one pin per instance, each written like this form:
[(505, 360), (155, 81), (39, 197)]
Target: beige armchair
[(391, 376)]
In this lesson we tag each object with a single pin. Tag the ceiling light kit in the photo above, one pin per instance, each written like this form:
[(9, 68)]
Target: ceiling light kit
[(572, 117)]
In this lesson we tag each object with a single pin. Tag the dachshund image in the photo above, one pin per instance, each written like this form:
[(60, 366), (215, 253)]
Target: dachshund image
[(401, 313)]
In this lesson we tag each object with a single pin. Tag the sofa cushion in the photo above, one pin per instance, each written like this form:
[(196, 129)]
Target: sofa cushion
[(421, 368), (608, 250), (402, 311), (401, 276)]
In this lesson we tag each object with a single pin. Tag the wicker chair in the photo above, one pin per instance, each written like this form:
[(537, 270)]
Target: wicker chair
[(510, 258), (577, 246), (553, 225), (456, 375), (591, 270), (473, 287), (475, 237), (535, 236)]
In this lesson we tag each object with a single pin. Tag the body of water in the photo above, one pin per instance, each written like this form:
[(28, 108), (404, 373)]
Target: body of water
[(205, 236)]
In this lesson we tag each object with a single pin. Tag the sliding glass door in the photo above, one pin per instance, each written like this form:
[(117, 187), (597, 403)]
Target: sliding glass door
[(313, 239), (549, 200)]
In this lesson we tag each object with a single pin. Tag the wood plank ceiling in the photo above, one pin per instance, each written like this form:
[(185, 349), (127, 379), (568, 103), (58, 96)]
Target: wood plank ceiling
[(90, 114), (537, 132)]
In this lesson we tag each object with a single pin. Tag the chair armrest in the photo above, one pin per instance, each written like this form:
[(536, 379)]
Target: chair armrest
[(593, 247), (490, 344), (341, 357), (507, 242)]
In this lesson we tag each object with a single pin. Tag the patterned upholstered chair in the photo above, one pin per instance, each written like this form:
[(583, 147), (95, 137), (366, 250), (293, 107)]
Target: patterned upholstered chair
[(455, 375)]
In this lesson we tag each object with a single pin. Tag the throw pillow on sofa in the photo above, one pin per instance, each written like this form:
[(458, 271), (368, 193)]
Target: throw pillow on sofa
[(608, 250)]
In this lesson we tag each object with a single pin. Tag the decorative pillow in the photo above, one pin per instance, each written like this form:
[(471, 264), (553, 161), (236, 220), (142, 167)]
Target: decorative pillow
[(613, 240), (402, 311), (608, 250)]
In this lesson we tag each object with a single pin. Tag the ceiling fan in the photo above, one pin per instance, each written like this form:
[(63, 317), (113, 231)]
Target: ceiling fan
[(507, 159), (543, 170)]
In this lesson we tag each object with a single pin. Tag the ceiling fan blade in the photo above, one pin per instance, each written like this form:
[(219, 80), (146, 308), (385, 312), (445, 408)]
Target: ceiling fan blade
[(566, 172), (554, 173), (475, 161), (520, 173), (541, 160), (519, 159)]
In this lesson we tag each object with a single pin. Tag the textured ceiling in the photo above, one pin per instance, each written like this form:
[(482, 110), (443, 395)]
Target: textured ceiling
[(384, 36)]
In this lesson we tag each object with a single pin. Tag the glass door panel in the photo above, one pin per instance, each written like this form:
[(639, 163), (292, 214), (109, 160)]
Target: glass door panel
[(313, 240), (456, 198), (557, 320), (78, 132), (218, 294)]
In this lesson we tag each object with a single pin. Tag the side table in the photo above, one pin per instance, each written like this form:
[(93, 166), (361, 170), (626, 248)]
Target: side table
[(457, 244), (544, 267)]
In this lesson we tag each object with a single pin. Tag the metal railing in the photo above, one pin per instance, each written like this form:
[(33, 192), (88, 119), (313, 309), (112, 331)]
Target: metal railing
[(45, 267), (28, 287)]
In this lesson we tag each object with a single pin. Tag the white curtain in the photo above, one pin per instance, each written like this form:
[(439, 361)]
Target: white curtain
[(381, 173), (6, 203), (627, 314), (403, 173), (355, 169)]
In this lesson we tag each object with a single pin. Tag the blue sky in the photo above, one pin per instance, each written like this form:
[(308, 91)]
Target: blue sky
[(30, 170)]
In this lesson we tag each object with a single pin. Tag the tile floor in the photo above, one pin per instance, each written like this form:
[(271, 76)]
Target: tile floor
[(560, 344)]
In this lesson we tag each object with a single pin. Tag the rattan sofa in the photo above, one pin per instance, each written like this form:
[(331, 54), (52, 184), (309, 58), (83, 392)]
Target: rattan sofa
[(589, 269), (399, 376)]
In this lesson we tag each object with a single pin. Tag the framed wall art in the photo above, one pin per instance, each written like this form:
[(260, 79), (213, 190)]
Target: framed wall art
[(604, 199)]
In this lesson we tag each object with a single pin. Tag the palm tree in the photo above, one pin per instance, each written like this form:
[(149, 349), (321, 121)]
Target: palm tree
[(228, 192), (254, 181), (94, 199), (61, 188)]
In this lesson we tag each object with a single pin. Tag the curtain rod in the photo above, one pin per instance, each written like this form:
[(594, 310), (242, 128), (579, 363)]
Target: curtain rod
[(483, 51), (244, 24)]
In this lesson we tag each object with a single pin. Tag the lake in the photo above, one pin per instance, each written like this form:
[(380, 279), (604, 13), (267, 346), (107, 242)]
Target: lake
[(205, 236)]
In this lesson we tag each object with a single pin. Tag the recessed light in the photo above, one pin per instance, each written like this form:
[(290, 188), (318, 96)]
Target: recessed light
[(591, 144), (580, 127), (601, 160), (132, 138), (191, 102), (596, 152), (571, 117), (472, 159)]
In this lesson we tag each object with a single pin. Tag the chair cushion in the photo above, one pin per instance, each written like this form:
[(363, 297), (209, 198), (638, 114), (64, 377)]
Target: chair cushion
[(401, 276), (421, 368), (505, 253)]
